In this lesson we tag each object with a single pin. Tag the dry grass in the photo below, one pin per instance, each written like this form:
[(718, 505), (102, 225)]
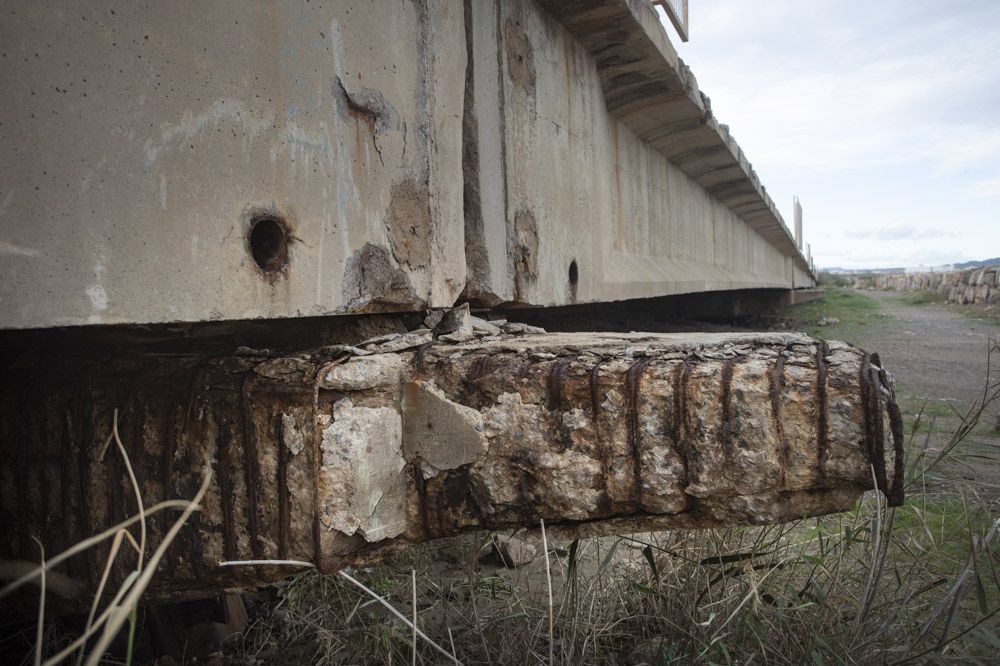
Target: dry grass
[(876, 585), (103, 627), (913, 584)]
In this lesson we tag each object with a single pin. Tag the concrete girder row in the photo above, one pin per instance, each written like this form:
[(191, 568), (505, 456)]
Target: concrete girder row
[(553, 68), (652, 91), (140, 166)]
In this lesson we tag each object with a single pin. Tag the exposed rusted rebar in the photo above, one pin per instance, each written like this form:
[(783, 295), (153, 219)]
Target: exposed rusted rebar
[(335, 459)]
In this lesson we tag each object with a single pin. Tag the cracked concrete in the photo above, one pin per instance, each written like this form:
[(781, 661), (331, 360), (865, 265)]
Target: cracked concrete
[(335, 455)]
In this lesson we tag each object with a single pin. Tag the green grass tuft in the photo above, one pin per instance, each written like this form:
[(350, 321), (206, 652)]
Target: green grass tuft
[(849, 306), (924, 298)]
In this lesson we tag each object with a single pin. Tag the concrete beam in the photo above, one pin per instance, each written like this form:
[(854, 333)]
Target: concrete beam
[(413, 176), (649, 88), (338, 455), (140, 166)]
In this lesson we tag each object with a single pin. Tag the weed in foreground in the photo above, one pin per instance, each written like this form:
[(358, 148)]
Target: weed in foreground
[(913, 584), (119, 612)]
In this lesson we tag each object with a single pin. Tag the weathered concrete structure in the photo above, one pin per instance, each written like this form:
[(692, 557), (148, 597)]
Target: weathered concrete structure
[(336, 454), (197, 194), (538, 153)]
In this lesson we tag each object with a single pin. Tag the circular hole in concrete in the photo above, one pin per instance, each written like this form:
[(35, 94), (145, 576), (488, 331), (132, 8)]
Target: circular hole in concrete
[(269, 243), (574, 273)]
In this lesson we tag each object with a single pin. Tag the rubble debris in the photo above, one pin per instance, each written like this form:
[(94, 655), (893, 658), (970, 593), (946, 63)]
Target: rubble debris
[(364, 372), (515, 328), (970, 286), (434, 318), (401, 341), (481, 326), (456, 319)]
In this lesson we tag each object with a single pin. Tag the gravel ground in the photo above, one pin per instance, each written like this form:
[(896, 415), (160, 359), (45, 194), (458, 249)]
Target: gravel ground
[(935, 351)]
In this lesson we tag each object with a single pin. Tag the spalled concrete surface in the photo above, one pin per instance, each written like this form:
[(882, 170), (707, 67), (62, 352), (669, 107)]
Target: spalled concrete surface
[(143, 140), (593, 433), (224, 161)]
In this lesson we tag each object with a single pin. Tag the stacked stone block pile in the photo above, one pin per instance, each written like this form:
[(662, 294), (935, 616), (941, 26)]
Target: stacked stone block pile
[(974, 285)]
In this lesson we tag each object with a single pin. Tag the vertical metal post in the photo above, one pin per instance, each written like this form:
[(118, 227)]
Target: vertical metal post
[(798, 223)]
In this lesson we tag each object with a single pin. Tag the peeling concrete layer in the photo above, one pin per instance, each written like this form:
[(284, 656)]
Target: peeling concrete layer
[(594, 433)]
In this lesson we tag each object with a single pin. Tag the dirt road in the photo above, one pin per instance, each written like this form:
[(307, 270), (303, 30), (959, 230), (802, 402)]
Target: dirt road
[(938, 356), (935, 351)]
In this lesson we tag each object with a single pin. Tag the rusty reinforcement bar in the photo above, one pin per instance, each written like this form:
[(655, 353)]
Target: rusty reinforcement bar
[(341, 454)]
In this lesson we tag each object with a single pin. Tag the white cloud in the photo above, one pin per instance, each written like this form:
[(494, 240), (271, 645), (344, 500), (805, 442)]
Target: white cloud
[(839, 115), (904, 232), (886, 119), (984, 187)]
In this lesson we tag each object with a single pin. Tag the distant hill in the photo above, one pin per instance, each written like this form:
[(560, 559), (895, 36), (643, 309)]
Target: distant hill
[(995, 261)]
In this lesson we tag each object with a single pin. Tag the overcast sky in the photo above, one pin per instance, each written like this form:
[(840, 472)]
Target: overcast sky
[(883, 117)]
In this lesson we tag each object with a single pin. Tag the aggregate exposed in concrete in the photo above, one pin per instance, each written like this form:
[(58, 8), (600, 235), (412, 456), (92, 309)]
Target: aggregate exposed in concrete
[(409, 224), (334, 456), (373, 281)]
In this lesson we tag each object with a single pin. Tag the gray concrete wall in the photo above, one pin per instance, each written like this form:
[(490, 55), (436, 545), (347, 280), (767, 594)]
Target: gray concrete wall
[(143, 143), (140, 140), (580, 185)]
